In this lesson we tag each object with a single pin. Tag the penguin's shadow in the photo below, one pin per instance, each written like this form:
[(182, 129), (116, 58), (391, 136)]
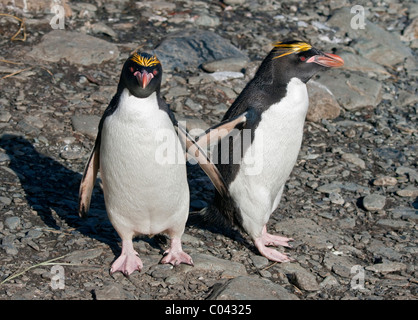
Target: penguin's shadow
[(51, 190)]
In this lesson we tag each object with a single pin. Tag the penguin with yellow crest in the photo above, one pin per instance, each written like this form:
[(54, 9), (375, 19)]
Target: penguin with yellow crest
[(275, 102)]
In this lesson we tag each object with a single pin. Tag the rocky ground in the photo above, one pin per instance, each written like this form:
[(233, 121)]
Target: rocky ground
[(350, 203)]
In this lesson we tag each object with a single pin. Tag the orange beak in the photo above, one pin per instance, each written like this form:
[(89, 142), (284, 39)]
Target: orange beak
[(327, 60), (144, 77)]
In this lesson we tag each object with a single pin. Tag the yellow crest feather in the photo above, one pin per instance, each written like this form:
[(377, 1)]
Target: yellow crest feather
[(143, 61), (284, 49)]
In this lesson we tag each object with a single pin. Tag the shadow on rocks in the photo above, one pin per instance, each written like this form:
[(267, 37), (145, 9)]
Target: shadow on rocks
[(199, 218), (51, 189)]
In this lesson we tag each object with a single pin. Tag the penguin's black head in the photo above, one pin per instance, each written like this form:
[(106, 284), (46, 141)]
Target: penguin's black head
[(298, 59), (142, 74)]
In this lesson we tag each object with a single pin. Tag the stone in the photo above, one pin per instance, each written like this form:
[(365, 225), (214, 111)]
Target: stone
[(355, 62), (329, 188), (340, 264), (374, 202), (5, 116), (76, 48), (86, 124), (250, 288), (300, 277), (366, 39), (354, 159), (259, 262), (385, 181), (113, 291), (5, 200), (12, 223), (329, 281), (189, 48), (322, 103), (336, 198), (8, 244), (205, 20), (210, 263), (226, 75), (411, 31), (351, 90), (411, 173), (387, 267), (394, 224), (230, 64), (409, 191), (82, 255)]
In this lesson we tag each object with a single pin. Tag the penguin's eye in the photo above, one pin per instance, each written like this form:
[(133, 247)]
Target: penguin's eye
[(302, 58), (131, 69), (155, 72)]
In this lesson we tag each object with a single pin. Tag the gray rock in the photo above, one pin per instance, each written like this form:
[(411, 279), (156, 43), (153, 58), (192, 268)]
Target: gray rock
[(329, 188), (226, 75), (394, 224), (409, 191), (259, 262), (230, 64), (329, 281), (322, 103), (374, 202), (205, 20), (81, 255), (405, 213), (339, 264), (300, 277), (372, 40), (188, 49), (86, 124), (347, 223), (113, 291), (77, 48), (12, 223), (411, 173), (5, 200), (352, 90), (336, 198), (385, 181), (354, 62), (354, 159), (386, 267), (8, 244), (250, 288), (5, 116), (210, 263), (234, 2), (101, 28), (34, 234)]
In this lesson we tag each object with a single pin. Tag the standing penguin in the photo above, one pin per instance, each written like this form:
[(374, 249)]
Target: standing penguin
[(143, 194), (275, 102)]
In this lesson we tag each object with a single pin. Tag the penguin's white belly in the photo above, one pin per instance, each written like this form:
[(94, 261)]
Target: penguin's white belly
[(267, 164), (143, 193)]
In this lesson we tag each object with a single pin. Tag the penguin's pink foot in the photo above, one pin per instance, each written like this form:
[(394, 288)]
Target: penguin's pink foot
[(175, 255), (128, 261), (269, 253), (272, 240)]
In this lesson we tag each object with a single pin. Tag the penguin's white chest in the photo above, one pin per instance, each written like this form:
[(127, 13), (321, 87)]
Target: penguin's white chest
[(268, 162), (143, 193)]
